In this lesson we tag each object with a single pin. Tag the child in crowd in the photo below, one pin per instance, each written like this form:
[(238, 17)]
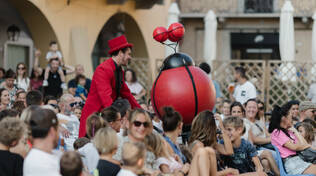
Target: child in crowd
[(245, 157), (81, 91), (71, 164), (11, 131), (307, 131), (133, 157), (77, 111), (106, 142), (52, 54)]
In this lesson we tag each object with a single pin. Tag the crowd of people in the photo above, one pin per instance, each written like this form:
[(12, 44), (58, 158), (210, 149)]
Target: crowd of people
[(40, 118)]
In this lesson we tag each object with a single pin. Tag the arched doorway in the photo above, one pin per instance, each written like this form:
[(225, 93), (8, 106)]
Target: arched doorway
[(119, 24)]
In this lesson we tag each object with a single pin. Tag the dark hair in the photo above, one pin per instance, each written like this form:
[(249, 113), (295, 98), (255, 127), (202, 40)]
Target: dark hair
[(310, 121), (20, 92), (18, 106), (41, 121), (205, 67), (122, 105), (3, 71), (170, 119), (80, 142), (71, 164), (109, 114), (249, 100), (115, 53), (25, 68), (236, 103), (276, 116), (49, 97), (52, 43), (40, 77), (8, 113), (134, 77), (294, 102), (9, 74), (241, 71), (1, 90), (53, 59), (34, 97), (78, 77)]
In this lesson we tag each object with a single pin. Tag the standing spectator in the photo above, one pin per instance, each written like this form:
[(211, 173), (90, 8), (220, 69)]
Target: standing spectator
[(134, 86), (40, 160), (11, 131), (71, 164), (54, 80), (4, 99), (34, 97), (81, 90), (312, 92), (22, 81), (72, 85), (9, 84), (67, 119), (244, 90), (37, 73), (2, 74)]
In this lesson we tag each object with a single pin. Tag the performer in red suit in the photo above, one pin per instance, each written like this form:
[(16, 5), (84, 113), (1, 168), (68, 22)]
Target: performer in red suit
[(108, 81)]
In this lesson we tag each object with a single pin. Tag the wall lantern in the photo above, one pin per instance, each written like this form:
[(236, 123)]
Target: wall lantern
[(13, 32)]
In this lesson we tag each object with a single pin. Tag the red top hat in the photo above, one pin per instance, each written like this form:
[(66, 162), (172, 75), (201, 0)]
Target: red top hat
[(118, 43)]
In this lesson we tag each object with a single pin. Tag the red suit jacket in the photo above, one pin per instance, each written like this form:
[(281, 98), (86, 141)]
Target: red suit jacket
[(102, 93)]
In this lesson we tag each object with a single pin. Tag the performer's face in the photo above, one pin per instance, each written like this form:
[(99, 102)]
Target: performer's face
[(126, 57)]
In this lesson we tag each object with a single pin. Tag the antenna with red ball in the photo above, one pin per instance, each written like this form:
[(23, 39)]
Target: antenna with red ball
[(174, 33)]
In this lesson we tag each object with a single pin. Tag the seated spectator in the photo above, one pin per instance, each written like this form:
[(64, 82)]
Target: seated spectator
[(4, 99), (289, 141), (50, 100), (81, 90), (106, 142), (9, 113), (11, 131), (245, 157), (306, 109), (71, 164), (133, 157), (22, 81), (80, 142), (294, 110), (44, 128), (2, 74), (77, 112), (9, 84), (224, 109), (134, 86), (123, 106), (113, 117), (18, 106), (237, 110), (34, 97), (72, 85), (307, 131), (21, 96)]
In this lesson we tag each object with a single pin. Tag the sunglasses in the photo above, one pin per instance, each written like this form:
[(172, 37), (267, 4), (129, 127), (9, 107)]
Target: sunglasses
[(138, 124), (21, 68), (261, 108)]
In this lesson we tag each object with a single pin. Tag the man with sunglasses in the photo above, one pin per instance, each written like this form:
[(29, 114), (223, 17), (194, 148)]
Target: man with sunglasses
[(108, 81)]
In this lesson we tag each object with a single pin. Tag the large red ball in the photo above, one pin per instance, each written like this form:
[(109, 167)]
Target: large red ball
[(174, 88), (175, 32), (160, 34)]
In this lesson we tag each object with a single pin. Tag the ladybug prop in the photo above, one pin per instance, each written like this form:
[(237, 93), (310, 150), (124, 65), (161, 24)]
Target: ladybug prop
[(175, 32), (160, 34)]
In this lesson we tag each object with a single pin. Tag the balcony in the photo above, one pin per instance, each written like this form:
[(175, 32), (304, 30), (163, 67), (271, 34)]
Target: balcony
[(244, 8)]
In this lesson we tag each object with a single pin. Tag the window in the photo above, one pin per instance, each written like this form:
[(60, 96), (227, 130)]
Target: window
[(258, 6)]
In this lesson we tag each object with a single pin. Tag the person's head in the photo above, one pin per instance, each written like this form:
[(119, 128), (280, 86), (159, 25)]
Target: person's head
[(66, 104), (79, 70), (225, 107), (240, 73), (34, 97), (203, 128), (8, 113), (307, 131), (54, 64), (133, 154), (106, 141), (113, 117), (171, 121), (44, 127), (156, 144), (234, 127), (21, 96), (18, 106), (139, 125), (37, 73), (71, 164), (26, 113), (122, 56), (281, 119), (80, 142), (122, 105), (77, 112), (9, 78), (310, 121), (4, 96), (11, 131), (53, 46), (2, 72), (81, 80), (237, 110), (21, 70), (306, 109), (130, 76), (49, 99), (294, 108), (261, 108), (251, 108), (205, 67), (93, 124)]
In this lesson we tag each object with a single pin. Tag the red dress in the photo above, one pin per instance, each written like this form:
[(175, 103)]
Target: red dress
[(102, 92)]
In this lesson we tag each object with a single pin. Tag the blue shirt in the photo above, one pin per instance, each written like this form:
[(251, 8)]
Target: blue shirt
[(175, 149), (81, 90)]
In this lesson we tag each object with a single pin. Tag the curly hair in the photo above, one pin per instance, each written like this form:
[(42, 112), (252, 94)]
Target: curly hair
[(11, 129)]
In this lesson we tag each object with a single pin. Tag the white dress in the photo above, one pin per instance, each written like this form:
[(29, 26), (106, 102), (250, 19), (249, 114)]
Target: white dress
[(23, 83)]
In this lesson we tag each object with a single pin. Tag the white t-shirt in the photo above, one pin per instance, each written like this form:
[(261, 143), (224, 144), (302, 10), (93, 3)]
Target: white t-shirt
[(22, 83), (90, 156), (135, 88), (245, 92), (124, 172), (158, 125), (72, 125), (312, 93), (39, 163), (50, 55)]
